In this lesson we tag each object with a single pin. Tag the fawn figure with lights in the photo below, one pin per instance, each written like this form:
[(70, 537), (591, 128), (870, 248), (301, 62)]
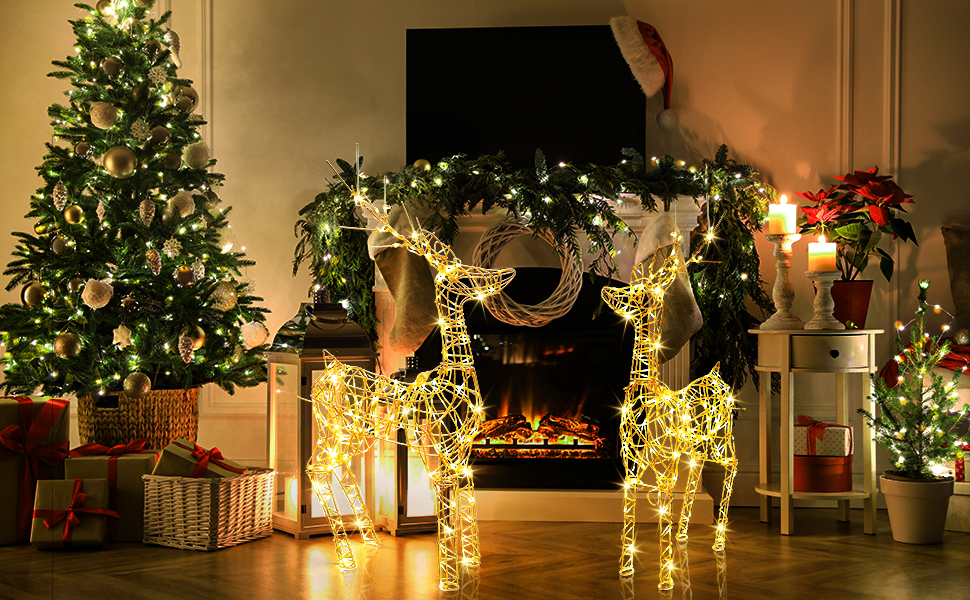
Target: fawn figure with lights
[(658, 426), (441, 411)]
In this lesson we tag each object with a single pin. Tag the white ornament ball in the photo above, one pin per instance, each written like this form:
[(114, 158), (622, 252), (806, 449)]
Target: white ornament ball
[(668, 120), (103, 115), (181, 205), (96, 294), (196, 155), (253, 334)]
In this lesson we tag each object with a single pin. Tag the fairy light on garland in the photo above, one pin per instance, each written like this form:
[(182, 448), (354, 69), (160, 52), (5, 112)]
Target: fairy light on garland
[(659, 426), (441, 412)]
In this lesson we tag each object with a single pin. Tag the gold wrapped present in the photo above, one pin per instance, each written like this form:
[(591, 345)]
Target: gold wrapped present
[(122, 465), (70, 513), (183, 458), (33, 444)]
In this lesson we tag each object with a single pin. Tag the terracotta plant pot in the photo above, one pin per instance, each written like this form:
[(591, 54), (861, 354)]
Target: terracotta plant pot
[(852, 302), (917, 509)]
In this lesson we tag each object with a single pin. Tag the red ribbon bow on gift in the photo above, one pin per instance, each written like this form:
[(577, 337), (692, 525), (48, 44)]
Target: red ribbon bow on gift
[(53, 517), (14, 441), (134, 447), (203, 457), (816, 430)]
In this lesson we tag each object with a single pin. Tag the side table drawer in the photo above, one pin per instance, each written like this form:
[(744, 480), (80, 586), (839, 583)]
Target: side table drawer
[(829, 352)]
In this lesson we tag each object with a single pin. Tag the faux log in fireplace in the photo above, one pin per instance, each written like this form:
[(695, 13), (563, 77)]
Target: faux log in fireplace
[(551, 394)]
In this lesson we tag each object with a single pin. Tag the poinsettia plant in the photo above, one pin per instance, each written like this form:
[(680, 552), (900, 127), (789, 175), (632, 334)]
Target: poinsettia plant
[(857, 214)]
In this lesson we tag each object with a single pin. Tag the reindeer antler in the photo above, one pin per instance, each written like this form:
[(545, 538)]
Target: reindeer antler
[(420, 241)]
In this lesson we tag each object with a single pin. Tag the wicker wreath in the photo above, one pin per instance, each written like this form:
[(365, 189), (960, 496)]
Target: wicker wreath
[(508, 310)]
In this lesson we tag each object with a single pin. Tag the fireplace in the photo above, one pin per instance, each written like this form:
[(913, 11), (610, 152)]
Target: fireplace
[(551, 394)]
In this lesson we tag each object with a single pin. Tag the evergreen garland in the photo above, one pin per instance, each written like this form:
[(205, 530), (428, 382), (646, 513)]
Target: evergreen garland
[(564, 200), (123, 59)]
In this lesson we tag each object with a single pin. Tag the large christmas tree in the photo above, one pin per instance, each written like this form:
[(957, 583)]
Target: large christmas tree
[(127, 280)]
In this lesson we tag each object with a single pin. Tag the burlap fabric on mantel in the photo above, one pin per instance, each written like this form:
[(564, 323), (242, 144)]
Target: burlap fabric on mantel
[(410, 281), (681, 316)]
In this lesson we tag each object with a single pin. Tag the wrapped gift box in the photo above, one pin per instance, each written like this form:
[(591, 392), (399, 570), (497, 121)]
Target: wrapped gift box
[(70, 513), (183, 458), (813, 438), (823, 473), (122, 466), (33, 442)]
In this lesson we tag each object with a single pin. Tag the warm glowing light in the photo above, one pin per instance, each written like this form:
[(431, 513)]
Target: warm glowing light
[(781, 217), (441, 411), (822, 255), (659, 425)]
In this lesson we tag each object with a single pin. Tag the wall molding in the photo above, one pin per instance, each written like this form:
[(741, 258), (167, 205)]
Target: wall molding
[(846, 58), (892, 115)]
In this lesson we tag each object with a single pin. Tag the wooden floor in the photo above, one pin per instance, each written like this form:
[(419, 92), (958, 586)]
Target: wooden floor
[(520, 561)]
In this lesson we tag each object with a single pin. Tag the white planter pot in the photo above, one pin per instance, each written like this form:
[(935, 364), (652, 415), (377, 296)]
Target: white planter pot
[(917, 509)]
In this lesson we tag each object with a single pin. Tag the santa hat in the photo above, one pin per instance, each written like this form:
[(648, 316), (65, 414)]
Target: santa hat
[(645, 52)]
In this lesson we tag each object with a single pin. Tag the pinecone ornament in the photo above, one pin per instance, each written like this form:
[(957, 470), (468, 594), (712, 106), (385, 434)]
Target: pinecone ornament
[(199, 269), (100, 210), (154, 261), (60, 196), (174, 45), (172, 247), (146, 210), (186, 348)]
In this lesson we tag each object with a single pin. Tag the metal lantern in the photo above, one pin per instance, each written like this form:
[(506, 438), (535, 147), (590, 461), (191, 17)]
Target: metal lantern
[(294, 361)]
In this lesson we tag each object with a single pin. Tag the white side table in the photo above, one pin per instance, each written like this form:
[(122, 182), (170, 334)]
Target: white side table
[(788, 352)]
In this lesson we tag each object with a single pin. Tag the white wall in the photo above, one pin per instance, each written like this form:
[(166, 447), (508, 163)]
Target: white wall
[(289, 84)]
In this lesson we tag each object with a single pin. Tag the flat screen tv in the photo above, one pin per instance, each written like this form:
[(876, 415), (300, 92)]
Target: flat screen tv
[(566, 90)]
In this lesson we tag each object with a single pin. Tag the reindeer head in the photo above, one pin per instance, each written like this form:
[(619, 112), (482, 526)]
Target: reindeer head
[(648, 283), (467, 281)]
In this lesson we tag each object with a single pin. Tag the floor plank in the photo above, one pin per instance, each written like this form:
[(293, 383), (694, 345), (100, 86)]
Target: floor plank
[(520, 561)]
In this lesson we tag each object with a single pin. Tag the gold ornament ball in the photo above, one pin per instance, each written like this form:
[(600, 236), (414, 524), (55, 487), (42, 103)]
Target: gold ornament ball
[(188, 100), (67, 345), (152, 47), (103, 115), (962, 337), (196, 155), (211, 200), (172, 161), (196, 334), (422, 164), (82, 149), (111, 66), (73, 214), (139, 93), (160, 135), (32, 294), (41, 228), (120, 162), (185, 276), (59, 245), (103, 6), (137, 385), (75, 284), (225, 297)]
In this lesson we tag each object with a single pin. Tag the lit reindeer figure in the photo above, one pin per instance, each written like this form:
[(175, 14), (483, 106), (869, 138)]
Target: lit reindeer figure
[(658, 425), (441, 413)]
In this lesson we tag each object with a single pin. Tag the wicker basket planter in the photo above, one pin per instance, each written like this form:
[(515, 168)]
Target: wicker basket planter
[(208, 514), (159, 417)]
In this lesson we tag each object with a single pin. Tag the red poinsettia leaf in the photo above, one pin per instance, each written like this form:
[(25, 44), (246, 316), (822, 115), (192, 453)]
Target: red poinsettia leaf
[(879, 214)]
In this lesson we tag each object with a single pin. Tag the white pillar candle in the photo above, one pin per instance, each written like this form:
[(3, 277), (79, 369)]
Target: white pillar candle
[(781, 217), (821, 256)]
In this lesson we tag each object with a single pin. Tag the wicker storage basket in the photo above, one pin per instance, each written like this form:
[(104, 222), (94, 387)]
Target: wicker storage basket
[(159, 417), (208, 514)]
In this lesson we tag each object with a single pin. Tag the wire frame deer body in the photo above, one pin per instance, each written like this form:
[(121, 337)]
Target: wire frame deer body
[(658, 426), (441, 412)]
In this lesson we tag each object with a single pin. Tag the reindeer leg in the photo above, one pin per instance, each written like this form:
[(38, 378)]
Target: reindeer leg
[(447, 512), (692, 481), (468, 520), (731, 469), (628, 539), (666, 480), (348, 481), (321, 477)]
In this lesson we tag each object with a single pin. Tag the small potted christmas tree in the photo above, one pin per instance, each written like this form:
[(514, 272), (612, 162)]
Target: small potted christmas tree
[(917, 423), (128, 287)]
